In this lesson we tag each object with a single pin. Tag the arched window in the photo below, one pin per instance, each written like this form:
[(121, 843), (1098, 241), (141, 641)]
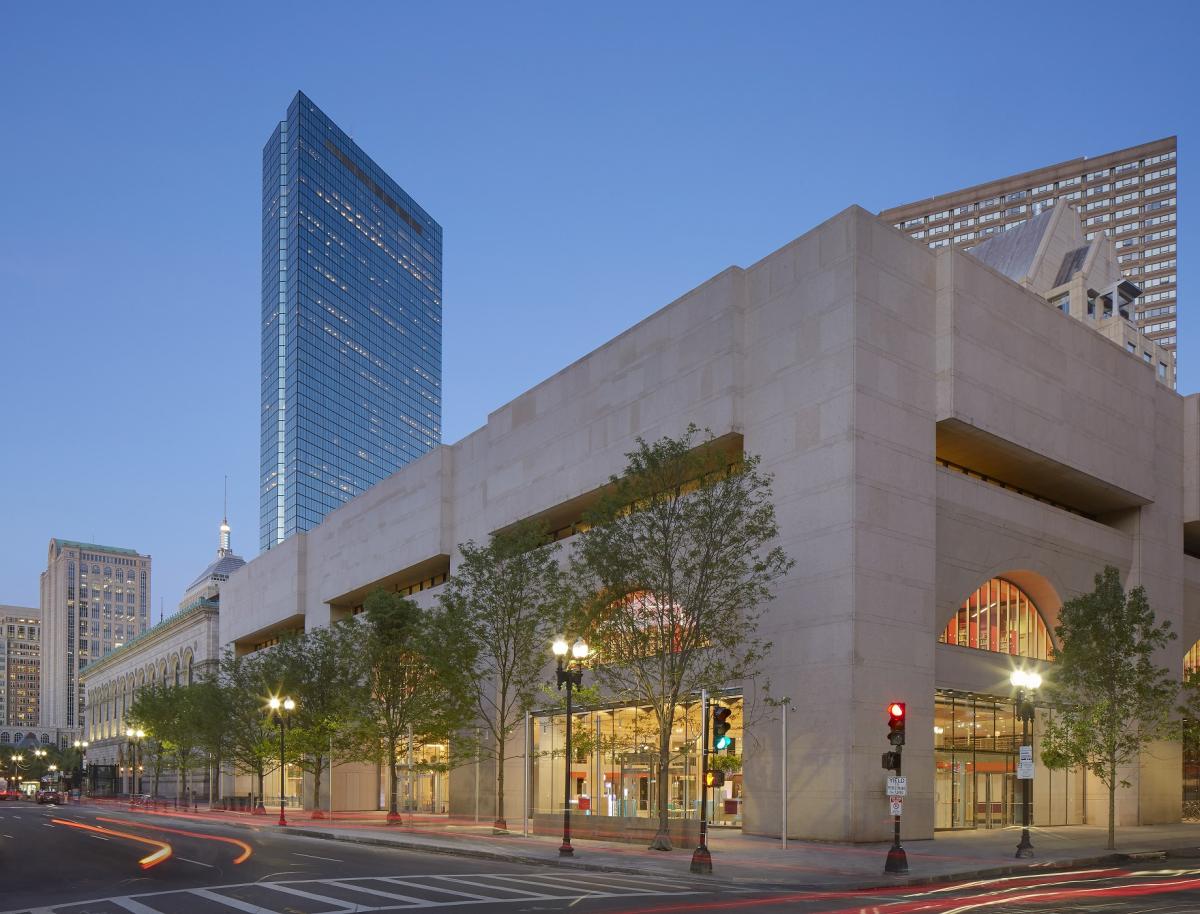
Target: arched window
[(1191, 660), (4, 737), (1000, 617)]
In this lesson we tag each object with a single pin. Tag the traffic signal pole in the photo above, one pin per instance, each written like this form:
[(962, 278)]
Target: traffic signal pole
[(701, 858), (897, 860)]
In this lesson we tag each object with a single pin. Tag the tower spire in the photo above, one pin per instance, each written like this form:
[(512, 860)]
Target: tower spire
[(223, 549)]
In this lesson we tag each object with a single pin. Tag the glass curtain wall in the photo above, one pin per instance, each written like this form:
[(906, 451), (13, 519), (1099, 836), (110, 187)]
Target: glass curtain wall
[(613, 765)]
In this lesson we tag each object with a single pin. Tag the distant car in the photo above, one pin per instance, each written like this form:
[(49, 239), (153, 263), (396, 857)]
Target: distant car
[(12, 794), (49, 795)]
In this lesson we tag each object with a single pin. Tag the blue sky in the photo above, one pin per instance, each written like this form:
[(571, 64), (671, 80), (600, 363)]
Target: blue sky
[(587, 163)]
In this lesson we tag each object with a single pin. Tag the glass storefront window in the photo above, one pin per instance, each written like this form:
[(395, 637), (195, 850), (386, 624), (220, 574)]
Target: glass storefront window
[(613, 769), (1000, 617), (976, 741)]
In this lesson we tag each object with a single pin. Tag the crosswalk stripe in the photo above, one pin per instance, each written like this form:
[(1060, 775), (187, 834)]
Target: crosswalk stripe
[(416, 902), (396, 880), (228, 900), (339, 904), (133, 906), (484, 885), (614, 882), (570, 889)]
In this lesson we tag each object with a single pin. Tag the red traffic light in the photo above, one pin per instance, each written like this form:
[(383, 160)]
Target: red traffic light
[(896, 710)]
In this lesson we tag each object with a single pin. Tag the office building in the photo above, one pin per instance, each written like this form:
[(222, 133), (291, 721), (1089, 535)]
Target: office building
[(20, 667), (954, 456), (351, 324), (179, 650), (1129, 195), (93, 599)]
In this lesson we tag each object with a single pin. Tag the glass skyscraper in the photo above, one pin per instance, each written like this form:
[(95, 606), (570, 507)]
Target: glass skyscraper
[(351, 324)]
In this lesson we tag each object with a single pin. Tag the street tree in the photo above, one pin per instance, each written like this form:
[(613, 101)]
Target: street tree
[(672, 576), (152, 711), (1111, 699), (246, 684), (506, 598), (323, 671), (414, 684)]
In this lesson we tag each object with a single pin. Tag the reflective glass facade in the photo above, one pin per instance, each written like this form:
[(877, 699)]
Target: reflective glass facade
[(351, 323)]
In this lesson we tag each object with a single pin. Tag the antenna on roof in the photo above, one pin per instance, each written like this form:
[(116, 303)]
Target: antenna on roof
[(223, 546), (160, 610)]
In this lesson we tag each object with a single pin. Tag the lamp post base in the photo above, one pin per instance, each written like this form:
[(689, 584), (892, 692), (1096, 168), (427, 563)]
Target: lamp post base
[(701, 861), (282, 817), (897, 860), (565, 850), (1025, 848), (259, 810)]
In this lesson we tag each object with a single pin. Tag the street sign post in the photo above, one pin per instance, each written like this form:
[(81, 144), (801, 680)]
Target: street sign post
[(897, 805), (897, 787), (1025, 764)]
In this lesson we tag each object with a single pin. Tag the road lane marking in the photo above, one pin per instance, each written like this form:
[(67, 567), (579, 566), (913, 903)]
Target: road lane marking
[(315, 857), (340, 904), (100, 837), (133, 906), (422, 902), (420, 885), (197, 862), (228, 900), (496, 888)]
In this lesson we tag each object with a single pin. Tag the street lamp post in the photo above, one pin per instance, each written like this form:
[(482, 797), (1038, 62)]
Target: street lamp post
[(281, 708), (135, 738), (573, 679), (16, 758), (81, 747), (1026, 684)]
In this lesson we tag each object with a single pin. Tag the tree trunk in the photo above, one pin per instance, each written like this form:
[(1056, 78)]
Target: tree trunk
[(1112, 806), (261, 790), (316, 796), (662, 839), (393, 816), (500, 827)]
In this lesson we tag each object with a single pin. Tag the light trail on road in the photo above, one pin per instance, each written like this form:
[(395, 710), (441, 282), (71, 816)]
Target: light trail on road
[(162, 854), (245, 848)]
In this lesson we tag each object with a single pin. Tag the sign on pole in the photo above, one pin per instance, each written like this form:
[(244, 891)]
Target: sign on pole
[(897, 804), (1025, 764), (897, 787)]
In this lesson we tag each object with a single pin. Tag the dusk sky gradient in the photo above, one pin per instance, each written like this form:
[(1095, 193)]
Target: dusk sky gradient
[(588, 164)]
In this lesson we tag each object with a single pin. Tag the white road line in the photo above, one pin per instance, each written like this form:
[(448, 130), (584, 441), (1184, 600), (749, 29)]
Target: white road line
[(497, 888), (228, 900), (133, 906), (187, 860), (340, 903), (315, 857), (101, 838), (47, 825), (432, 888), (416, 902), (612, 882)]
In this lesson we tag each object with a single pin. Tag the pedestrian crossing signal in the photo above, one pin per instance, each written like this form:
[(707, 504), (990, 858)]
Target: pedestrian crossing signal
[(714, 779)]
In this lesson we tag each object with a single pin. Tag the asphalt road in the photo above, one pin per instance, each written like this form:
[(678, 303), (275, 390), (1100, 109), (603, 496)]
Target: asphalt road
[(84, 860)]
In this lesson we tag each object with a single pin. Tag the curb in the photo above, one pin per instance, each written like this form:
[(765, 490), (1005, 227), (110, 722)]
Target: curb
[(866, 883)]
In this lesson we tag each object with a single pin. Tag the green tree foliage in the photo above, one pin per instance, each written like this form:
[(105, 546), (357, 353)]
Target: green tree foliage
[(1111, 698), (414, 677), (246, 683), (172, 718), (505, 598), (672, 576), (322, 670)]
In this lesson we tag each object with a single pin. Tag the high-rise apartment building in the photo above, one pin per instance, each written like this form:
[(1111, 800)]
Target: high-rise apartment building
[(94, 599), (351, 324), (20, 666), (1130, 195)]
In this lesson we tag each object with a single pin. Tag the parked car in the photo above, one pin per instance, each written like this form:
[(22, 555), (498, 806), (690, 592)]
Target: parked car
[(49, 795)]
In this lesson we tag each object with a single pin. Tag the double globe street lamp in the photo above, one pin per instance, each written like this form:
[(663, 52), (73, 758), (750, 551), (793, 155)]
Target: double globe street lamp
[(1026, 684), (135, 738), (81, 746), (572, 679), (281, 708)]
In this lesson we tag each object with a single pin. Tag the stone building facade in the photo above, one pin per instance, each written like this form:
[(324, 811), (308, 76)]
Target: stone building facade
[(953, 457)]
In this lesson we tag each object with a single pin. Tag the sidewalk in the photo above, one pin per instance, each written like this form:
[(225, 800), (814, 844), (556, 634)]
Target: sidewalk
[(740, 859)]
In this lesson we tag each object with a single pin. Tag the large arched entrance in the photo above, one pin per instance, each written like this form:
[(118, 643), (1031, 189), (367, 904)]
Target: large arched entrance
[(977, 733)]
